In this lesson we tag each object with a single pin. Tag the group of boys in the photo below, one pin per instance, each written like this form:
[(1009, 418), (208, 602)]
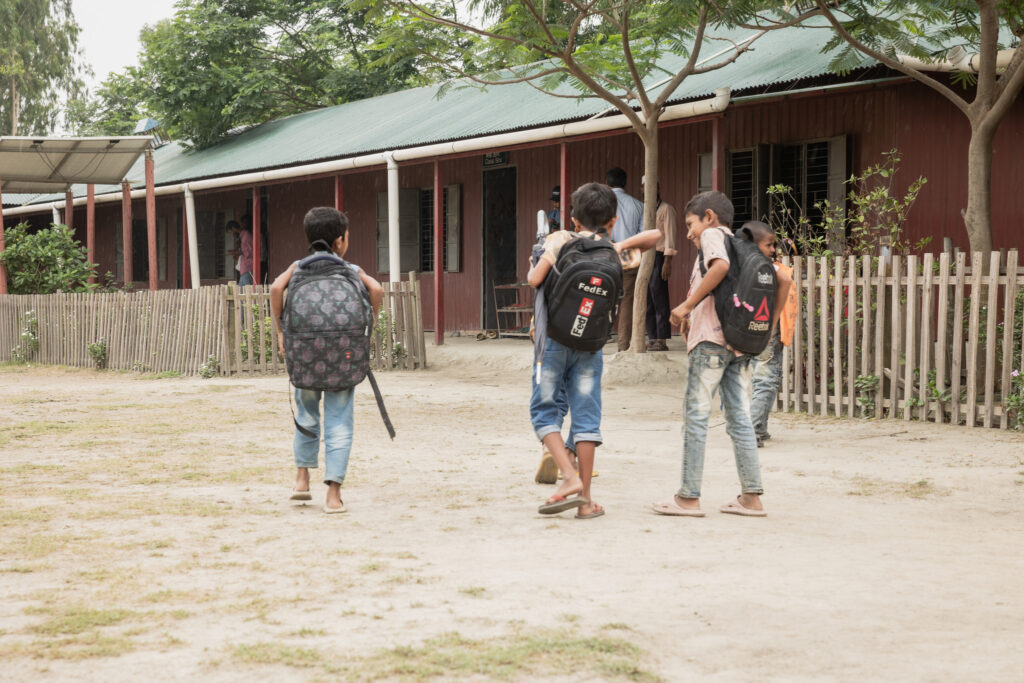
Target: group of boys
[(567, 380)]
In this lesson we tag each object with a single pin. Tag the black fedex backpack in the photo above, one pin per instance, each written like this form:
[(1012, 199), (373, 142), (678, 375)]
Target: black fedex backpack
[(582, 293), (327, 323), (745, 299)]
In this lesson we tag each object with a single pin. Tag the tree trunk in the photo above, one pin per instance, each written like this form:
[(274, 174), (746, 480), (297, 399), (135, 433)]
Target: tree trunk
[(978, 214), (638, 343), (15, 114)]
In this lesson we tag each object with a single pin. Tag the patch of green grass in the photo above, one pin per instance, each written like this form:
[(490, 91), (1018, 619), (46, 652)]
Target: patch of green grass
[(19, 569), (166, 374), (473, 591), (75, 620), (864, 486), (371, 567), (85, 646), (307, 632), (278, 653), (28, 515), (31, 428), (522, 656)]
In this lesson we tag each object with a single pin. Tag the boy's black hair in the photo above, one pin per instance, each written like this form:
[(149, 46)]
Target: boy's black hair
[(593, 205), (324, 224), (714, 200), (233, 225), (615, 177), (758, 230)]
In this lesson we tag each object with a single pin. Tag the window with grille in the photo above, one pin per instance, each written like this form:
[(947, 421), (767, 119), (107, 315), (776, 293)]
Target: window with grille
[(416, 229)]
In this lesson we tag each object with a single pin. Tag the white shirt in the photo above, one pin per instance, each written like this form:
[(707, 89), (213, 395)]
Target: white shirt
[(631, 216)]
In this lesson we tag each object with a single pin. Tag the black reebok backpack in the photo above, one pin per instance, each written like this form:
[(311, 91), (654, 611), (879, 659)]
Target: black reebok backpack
[(327, 323), (745, 299), (582, 292)]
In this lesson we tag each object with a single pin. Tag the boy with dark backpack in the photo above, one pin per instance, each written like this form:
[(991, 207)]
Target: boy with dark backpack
[(582, 284), (731, 309), (323, 331)]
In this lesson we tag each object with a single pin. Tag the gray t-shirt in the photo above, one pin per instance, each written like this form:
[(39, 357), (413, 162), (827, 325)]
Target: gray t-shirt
[(631, 216)]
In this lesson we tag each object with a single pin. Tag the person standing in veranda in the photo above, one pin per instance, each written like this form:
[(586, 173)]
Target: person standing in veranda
[(629, 222), (659, 328)]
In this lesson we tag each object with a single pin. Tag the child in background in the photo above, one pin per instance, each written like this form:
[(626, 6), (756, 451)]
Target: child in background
[(768, 366), (713, 366), (327, 230)]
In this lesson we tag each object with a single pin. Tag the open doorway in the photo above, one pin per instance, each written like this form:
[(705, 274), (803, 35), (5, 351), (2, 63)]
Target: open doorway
[(499, 227)]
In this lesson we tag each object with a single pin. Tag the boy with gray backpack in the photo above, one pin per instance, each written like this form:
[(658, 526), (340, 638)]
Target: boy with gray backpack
[(324, 332)]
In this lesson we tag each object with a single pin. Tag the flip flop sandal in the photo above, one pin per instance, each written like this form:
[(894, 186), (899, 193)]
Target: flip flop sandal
[(547, 472), (301, 495), (598, 511), (559, 503), (670, 509), (335, 511), (736, 508)]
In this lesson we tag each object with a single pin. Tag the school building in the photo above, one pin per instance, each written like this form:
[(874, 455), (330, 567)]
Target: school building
[(776, 115)]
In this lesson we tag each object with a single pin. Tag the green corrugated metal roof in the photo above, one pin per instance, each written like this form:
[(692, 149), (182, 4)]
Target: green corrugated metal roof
[(417, 116)]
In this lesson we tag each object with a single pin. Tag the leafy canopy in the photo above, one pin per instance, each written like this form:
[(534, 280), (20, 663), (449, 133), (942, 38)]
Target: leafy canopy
[(46, 261), (39, 64), (221, 64)]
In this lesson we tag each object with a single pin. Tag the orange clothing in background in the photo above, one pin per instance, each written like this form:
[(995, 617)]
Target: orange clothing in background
[(787, 320)]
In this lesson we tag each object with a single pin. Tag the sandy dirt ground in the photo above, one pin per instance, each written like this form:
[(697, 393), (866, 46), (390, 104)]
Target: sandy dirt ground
[(146, 532)]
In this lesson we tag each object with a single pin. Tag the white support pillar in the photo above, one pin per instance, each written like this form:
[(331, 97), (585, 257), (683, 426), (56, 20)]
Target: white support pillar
[(193, 242), (55, 213), (394, 246)]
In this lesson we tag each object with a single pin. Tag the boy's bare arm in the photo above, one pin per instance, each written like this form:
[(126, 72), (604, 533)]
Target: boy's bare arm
[(538, 272), (717, 271), (642, 240), (277, 295), (373, 288), (781, 294)]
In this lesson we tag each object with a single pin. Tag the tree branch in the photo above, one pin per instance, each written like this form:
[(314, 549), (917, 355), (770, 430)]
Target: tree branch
[(424, 15), (989, 30), (1010, 85), (687, 69), (892, 63), (627, 51)]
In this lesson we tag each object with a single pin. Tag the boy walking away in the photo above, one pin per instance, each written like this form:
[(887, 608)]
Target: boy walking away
[(715, 364), (582, 280), (324, 337), (768, 366), (630, 222)]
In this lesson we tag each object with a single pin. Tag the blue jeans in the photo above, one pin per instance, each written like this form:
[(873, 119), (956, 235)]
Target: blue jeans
[(715, 367), (767, 380), (245, 279), (568, 378), (337, 431)]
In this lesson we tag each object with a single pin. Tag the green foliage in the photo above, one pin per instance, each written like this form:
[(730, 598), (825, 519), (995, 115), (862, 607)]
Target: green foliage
[(115, 108), (380, 334), (1014, 400), (866, 386), (46, 261), (218, 65), (38, 64), (262, 328), (98, 353), (874, 216), (210, 369), (28, 342)]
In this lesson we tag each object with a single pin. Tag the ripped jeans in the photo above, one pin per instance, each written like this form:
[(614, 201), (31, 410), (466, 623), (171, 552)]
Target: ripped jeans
[(713, 366), (568, 374)]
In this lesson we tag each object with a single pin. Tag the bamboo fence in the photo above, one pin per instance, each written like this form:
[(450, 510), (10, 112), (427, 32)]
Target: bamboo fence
[(916, 338), (180, 330)]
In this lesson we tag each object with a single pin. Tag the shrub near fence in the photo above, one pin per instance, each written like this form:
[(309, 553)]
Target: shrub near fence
[(180, 330), (919, 338)]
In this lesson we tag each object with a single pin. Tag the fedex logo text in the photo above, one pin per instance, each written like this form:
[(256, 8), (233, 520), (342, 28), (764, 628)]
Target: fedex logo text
[(586, 307)]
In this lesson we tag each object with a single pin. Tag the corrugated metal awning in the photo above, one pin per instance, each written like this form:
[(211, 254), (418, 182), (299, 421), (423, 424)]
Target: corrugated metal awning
[(37, 165)]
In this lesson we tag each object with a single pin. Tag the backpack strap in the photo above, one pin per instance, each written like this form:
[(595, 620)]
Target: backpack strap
[(376, 395), (322, 256)]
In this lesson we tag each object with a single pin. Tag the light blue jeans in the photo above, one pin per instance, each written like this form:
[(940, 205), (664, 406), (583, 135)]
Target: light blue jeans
[(715, 367), (767, 380), (337, 431), (568, 378)]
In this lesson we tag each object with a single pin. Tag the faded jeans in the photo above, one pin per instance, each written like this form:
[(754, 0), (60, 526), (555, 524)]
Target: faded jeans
[(713, 366), (568, 374), (767, 380), (337, 431)]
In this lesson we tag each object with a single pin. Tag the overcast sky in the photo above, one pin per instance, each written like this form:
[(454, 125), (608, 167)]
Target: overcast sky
[(110, 31)]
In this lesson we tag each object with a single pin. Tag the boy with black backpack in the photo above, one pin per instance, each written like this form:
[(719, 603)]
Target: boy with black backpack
[(324, 337), (731, 309), (582, 285)]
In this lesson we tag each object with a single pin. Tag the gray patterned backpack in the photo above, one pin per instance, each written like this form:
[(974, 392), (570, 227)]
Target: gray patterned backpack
[(327, 322)]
